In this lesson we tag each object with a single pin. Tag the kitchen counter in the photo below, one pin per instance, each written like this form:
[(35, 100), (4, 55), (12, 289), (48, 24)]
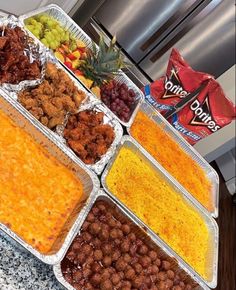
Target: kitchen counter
[(20, 270)]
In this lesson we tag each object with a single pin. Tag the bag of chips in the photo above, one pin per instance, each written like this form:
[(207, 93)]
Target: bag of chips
[(207, 113), (180, 80)]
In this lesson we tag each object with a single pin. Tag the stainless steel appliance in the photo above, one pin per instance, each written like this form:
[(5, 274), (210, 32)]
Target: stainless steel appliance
[(203, 31)]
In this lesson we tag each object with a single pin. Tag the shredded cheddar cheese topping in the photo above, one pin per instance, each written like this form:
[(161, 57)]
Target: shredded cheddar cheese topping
[(173, 158), (153, 200), (37, 193)]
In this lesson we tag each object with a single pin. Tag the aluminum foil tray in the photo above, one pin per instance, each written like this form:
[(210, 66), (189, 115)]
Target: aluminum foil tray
[(210, 222), (108, 119), (49, 57), (209, 171), (35, 51), (140, 232), (57, 13), (89, 103), (89, 180)]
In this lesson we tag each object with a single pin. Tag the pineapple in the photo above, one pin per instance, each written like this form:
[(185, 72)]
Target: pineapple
[(97, 92), (103, 64)]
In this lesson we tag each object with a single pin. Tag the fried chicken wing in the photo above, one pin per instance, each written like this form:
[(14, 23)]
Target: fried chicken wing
[(78, 148), (87, 136), (44, 120), (30, 103), (56, 120), (15, 64), (3, 41), (52, 97), (51, 72), (49, 109), (78, 97), (37, 112)]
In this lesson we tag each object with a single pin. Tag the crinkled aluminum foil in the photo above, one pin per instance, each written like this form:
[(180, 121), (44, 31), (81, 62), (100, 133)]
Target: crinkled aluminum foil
[(57, 13), (209, 171), (90, 103), (35, 51), (49, 57), (58, 150), (67, 22), (108, 119), (101, 195), (209, 221)]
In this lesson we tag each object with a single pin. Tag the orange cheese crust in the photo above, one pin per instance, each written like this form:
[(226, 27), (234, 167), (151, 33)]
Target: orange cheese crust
[(143, 190), (173, 158), (37, 193)]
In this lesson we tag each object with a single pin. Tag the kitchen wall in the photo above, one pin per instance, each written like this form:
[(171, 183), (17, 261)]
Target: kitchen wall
[(22, 6), (222, 141)]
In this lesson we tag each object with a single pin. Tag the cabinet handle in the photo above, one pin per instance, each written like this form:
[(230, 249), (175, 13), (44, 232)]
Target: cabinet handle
[(186, 24), (171, 23), (160, 31)]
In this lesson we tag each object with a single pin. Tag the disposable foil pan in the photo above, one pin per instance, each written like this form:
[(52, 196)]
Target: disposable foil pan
[(58, 14), (211, 224), (174, 134), (90, 99), (35, 51), (89, 180), (108, 119), (89, 103), (140, 231)]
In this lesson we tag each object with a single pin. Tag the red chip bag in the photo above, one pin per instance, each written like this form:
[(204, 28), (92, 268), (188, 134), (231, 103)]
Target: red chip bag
[(207, 113), (180, 81)]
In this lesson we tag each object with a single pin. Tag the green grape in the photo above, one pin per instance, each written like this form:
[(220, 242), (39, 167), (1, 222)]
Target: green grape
[(36, 17), (31, 20), (48, 38), (57, 43), (54, 31), (27, 22), (44, 41), (63, 37), (53, 45), (58, 39), (46, 30), (60, 30), (36, 32), (73, 46), (50, 23), (50, 43), (43, 18), (34, 22), (30, 27), (49, 34), (72, 38), (39, 25), (67, 36)]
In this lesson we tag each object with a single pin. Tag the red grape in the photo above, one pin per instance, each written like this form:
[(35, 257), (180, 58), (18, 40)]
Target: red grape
[(119, 98)]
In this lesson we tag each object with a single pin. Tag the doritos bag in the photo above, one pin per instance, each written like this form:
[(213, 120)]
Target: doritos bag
[(180, 80), (207, 113)]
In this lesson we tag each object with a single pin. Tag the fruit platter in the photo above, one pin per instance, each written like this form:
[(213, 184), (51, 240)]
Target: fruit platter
[(98, 67), (99, 194)]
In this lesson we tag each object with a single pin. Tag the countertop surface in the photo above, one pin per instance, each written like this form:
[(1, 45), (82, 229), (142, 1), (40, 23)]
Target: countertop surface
[(20, 270)]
